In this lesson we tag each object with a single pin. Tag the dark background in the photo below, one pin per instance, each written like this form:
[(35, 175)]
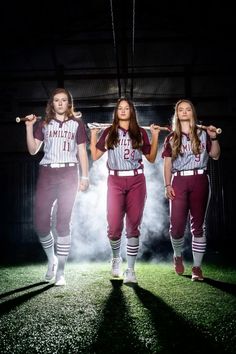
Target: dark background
[(151, 51)]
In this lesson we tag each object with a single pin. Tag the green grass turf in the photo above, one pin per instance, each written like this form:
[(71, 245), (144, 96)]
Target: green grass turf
[(93, 313)]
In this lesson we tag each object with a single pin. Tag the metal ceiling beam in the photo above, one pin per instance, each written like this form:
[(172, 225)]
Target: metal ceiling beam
[(30, 77)]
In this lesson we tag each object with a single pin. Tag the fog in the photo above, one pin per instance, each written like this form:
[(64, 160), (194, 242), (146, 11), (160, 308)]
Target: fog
[(89, 224)]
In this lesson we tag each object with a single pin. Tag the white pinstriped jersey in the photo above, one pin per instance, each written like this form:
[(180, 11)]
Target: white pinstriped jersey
[(60, 140), (187, 160), (123, 157)]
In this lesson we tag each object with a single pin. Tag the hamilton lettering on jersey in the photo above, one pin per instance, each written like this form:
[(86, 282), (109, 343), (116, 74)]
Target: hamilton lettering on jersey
[(125, 142), (60, 141), (187, 147), (187, 160), (60, 134)]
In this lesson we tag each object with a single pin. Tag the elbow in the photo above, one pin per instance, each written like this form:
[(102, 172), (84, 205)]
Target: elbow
[(152, 156), (34, 152), (94, 157), (151, 159), (94, 154), (215, 156)]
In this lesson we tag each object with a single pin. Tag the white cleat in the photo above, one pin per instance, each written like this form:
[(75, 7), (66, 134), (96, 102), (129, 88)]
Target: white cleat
[(52, 269), (116, 267), (129, 276), (60, 281)]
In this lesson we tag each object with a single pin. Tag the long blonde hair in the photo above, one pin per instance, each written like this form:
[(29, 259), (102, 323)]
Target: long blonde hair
[(176, 140)]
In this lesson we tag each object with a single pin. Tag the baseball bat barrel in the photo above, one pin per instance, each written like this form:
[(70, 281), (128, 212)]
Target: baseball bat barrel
[(24, 119), (96, 125), (204, 127), (161, 128), (106, 125)]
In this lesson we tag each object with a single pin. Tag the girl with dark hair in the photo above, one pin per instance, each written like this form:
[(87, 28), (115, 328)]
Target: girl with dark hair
[(64, 144), (126, 142)]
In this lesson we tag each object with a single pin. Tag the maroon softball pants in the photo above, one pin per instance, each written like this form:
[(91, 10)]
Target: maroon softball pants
[(191, 199), (126, 198), (55, 184)]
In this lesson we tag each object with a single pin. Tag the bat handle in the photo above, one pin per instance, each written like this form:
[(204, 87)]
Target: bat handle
[(217, 130), (24, 119)]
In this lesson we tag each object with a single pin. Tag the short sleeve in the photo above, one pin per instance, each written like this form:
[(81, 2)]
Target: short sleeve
[(81, 136), (101, 144), (146, 147), (167, 150), (208, 143), (38, 130)]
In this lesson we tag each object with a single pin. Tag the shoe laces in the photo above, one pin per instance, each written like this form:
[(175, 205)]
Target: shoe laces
[(115, 262)]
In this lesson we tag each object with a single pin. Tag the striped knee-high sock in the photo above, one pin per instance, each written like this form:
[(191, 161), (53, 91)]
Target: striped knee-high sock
[(198, 249), (132, 248), (177, 245), (63, 249), (115, 247), (47, 243)]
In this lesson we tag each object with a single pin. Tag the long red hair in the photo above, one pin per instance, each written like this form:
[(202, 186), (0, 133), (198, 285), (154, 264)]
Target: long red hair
[(50, 113)]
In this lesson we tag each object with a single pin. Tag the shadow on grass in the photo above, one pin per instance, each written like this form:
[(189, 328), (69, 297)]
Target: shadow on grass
[(12, 303), (229, 288), (226, 287), (174, 333), (116, 334), (22, 289)]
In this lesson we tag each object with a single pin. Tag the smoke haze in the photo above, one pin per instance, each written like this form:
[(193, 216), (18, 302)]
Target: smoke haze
[(89, 225)]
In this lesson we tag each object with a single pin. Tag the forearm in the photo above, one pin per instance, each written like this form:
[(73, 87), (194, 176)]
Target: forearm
[(215, 150), (167, 178), (167, 175), (30, 140), (151, 157), (95, 153), (83, 159), (154, 150)]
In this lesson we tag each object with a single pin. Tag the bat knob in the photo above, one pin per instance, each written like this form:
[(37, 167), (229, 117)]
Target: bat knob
[(78, 114), (17, 119)]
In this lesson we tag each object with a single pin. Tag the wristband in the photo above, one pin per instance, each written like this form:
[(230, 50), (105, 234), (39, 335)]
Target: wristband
[(83, 177), (167, 185), (213, 139)]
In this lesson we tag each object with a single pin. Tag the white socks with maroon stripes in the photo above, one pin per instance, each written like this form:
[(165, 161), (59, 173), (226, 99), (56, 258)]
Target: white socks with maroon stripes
[(198, 249), (115, 247), (177, 245), (63, 249), (47, 243), (132, 248)]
